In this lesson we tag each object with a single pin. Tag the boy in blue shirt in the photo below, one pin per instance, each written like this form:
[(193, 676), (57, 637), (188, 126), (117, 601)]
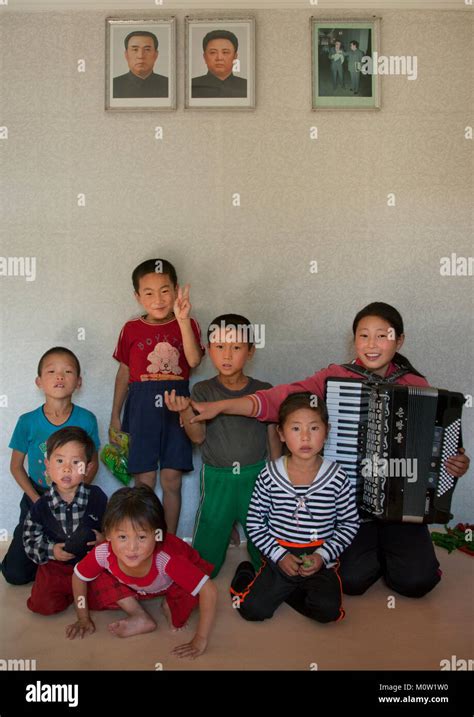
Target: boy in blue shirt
[(59, 374)]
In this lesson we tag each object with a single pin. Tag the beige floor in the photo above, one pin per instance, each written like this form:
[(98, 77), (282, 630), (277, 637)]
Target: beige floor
[(416, 634)]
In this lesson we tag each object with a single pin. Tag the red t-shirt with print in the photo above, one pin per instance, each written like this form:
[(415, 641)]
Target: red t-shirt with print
[(154, 352)]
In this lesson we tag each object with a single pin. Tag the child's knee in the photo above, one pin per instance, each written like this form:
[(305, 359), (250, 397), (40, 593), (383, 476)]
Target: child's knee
[(170, 480), (414, 586), (322, 610), (356, 586), (357, 582), (148, 479), (325, 613), (50, 605), (254, 610), (18, 576)]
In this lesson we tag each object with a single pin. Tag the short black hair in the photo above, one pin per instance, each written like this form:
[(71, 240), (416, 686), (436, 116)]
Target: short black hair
[(354, 42), (67, 435), (234, 321), (153, 266), (141, 32), (139, 505), (220, 35), (295, 401), (59, 350)]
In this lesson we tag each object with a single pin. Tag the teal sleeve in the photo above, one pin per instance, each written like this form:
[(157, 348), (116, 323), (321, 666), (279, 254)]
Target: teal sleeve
[(19, 439), (93, 431)]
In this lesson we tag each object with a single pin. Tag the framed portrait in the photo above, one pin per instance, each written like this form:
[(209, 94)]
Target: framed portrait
[(220, 63), (140, 64), (342, 61)]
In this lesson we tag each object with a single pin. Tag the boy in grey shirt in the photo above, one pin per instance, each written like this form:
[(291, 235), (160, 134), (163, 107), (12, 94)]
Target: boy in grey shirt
[(234, 448)]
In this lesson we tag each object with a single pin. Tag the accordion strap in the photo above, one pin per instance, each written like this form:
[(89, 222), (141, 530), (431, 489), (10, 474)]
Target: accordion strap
[(372, 378)]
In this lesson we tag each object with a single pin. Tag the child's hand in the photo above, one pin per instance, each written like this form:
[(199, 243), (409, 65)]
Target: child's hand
[(191, 649), (176, 403), (316, 564), (99, 538), (83, 626), (290, 564), (206, 410), (115, 425), (458, 465), (182, 305), (60, 554)]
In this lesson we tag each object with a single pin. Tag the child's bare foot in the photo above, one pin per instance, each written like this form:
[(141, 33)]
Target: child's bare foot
[(167, 613), (133, 625), (235, 537)]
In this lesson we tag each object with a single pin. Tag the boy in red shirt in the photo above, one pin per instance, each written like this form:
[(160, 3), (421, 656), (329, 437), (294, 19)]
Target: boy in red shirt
[(156, 352)]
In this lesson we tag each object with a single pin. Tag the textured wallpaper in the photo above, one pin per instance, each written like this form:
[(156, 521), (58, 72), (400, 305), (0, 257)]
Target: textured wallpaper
[(377, 200)]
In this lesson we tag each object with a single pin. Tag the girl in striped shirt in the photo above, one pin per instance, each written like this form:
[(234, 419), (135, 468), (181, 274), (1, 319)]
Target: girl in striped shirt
[(301, 517)]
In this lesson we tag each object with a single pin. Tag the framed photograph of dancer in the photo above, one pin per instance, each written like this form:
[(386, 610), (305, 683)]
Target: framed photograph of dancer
[(344, 68), (220, 63), (140, 64)]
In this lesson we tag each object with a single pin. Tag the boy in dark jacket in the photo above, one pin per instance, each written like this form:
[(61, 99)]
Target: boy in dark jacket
[(64, 524)]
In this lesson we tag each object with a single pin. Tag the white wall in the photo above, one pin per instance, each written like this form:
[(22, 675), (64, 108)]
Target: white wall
[(302, 200)]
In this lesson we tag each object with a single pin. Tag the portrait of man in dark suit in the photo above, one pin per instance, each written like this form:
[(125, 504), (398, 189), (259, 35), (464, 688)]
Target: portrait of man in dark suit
[(219, 52), (141, 54)]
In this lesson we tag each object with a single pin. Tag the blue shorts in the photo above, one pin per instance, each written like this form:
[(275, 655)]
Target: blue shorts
[(155, 433)]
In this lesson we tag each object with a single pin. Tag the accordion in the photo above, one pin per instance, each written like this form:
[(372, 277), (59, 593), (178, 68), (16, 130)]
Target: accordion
[(392, 441)]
